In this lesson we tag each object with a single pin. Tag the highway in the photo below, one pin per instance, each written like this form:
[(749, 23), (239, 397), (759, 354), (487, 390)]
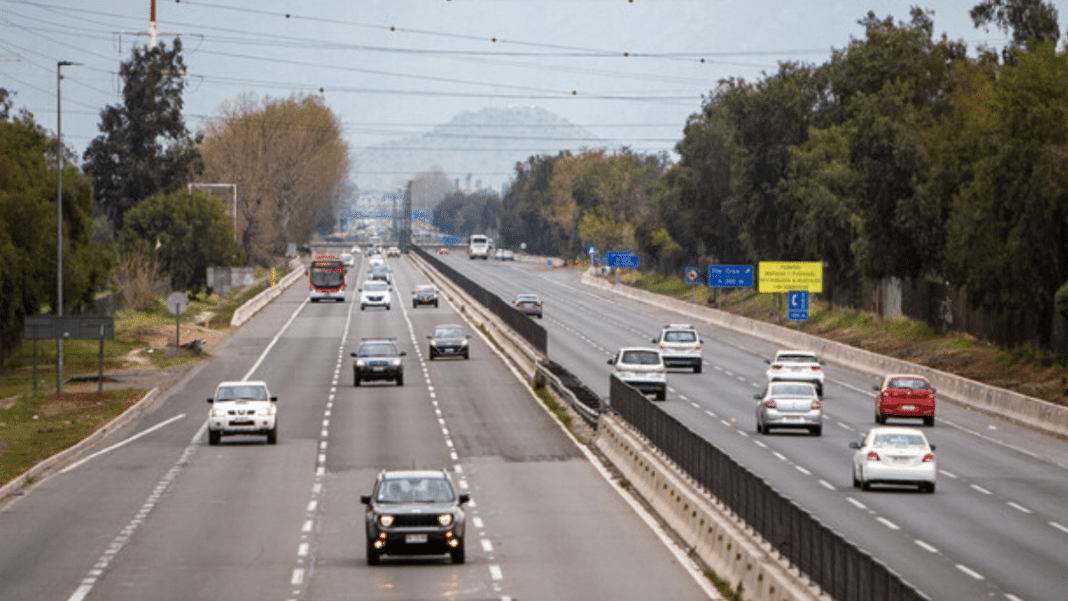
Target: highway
[(997, 527), (163, 516)]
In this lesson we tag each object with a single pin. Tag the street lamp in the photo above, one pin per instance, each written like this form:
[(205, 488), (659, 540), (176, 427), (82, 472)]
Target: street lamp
[(59, 221), (233, 188)]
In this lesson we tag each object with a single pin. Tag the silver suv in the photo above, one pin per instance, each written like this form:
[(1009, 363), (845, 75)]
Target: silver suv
[(414, 512), (680, 345)]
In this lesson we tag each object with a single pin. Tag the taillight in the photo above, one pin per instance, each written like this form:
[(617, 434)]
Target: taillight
[(817, 405), (770, 403), (519, 304), (662, 347), (815, 368), (537, 304), (776, 366), (928, 458), (873, 456), (697, 348)]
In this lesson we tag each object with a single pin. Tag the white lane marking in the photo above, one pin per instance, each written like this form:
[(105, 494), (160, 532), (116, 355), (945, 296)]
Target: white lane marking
[(302, 550), (298, 577), (981, 489), (887, 523), (477, 521), (495, 572), (802, 470), (1012, 597), (1060, 527), (827, 485), (121, 443), (487, 546), (856, 503), (760, 444), (307, 527), (970, 571), (844, 426), (274, 340), (780, 456), (948, 474), (925, 546), (1019, 507)]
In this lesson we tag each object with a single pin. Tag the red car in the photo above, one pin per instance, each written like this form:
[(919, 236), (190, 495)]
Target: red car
[(905, 395)]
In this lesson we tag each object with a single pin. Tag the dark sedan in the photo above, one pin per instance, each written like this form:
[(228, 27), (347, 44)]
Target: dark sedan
[(449, 341), (424, 294)]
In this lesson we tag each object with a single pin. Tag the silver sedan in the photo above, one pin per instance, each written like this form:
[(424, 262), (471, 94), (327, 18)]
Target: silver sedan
[(528, 304), (789, 405)]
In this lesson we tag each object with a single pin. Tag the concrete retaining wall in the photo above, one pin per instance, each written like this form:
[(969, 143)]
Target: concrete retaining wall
[(723, 542), (247, 310), (1029, 411)]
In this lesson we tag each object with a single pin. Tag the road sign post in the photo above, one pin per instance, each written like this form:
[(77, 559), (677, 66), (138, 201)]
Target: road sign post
[(730, 276), (622, 259), (797, 308), (65, 328)]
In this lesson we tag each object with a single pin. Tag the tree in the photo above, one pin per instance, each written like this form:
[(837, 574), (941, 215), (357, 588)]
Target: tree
[(523, 219), (1028, 21), (289, 162), (145, 147), (462, 214), (184, 232), (28, 229)]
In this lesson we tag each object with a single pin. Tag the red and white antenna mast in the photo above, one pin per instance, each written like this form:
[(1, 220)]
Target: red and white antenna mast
[(152, 26)]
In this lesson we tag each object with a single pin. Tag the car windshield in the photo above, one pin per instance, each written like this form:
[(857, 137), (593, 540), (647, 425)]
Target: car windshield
[(910, 383), (250, 392), (415, 490), (378, 349), (449, 332), (423, 289), (375, 286), (680, 337), (528, 298), (899, 439), (787, 389), (641, 357), (797, 358)]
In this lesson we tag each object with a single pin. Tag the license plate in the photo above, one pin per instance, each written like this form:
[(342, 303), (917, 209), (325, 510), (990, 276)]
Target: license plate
[(378, 369), (908, 407), (241, 423), (415, 539)]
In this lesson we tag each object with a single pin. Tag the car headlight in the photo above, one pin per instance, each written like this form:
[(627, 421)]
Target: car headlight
[(463, 342), (385, 520), (433, 343), (445, 519), (218, 413), (396, 362), (359, 363)]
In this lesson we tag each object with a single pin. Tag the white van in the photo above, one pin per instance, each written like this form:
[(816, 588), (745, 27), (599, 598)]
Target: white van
[(479, 247)]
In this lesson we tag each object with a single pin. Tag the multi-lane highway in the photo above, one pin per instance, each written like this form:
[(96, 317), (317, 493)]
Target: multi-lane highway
[(161, 515), (997, 527)]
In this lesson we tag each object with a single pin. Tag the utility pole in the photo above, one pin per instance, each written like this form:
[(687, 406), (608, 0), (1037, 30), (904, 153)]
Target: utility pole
[(59, 220)]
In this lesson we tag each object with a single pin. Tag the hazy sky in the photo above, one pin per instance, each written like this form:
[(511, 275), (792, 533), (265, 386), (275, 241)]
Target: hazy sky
[(393, 68)]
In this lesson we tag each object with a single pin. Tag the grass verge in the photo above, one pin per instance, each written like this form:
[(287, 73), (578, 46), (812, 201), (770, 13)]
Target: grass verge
[(35, 428), (557, 409)]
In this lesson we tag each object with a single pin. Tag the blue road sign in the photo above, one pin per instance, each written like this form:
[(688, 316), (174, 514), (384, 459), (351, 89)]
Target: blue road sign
[(693, 275), (448, 239), (591, 250), (730, 276), (797, 305), (622, 259)]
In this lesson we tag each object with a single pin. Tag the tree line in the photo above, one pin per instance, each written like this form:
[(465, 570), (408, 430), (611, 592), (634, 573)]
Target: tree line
[(129, 212), (901, 156)]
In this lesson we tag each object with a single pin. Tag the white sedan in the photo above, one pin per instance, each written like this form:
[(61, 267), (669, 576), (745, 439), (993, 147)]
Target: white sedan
[(890, 455)]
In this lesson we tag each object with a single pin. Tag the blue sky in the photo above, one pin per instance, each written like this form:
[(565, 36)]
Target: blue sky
[(394, 68)]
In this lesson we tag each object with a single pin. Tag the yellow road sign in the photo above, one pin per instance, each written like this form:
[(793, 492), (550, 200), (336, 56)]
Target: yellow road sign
[(787, 276)]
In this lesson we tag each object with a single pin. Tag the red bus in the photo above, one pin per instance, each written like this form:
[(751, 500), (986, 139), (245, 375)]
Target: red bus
[(326, 279)]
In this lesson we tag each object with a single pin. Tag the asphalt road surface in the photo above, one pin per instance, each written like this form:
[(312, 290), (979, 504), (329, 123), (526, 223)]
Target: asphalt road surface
[(163, 516)]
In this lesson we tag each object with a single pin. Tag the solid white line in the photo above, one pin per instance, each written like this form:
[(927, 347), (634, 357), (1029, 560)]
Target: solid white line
[(274, 340), (121, 443), (925, 546), (970, 571)]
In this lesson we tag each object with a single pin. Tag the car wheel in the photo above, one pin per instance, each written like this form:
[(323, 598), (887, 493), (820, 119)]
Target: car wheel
[(214, 436), (372, 555), (697, 368), (928, 421), (880, 418), (388, 307), (363, 307), (864, 485), (856, 483), (400, 380), (930, 487), (415, 305), (314, 300), (272, 435), (759, 428), (661, 395), (431, 355), (458, 555), (817, 430), (819, 390), (355, 379), (435, 304), (467, 355)]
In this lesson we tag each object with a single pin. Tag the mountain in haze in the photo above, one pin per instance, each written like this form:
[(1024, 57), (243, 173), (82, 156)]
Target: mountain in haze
[(477, 149)]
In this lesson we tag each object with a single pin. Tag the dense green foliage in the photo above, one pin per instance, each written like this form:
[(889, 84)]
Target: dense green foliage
[(144, 147), (900, 157), (28, 228), (462, 214), (185, 232)]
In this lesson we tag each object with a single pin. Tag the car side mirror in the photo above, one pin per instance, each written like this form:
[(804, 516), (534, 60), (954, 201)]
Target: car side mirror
[(274, 399), (467, 335), (756, 396), (854, 444), (403, 353), (652, 340), (934, 390), (365, 499), (464, 497), (429, 337), (210, 400), (611, 361), (352, 354), (768, 361), (876, 388), (933, 447)]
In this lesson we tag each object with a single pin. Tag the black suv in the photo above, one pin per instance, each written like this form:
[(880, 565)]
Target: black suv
[(378, 359), (449, 340), (424, 294), (414, 512)]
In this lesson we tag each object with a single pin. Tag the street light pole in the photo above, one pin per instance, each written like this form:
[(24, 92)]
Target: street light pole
[(59, 221)]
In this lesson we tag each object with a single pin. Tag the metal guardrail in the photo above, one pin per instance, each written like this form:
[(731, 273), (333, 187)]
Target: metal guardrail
[(843, 570), (584, 401), (532, 332)]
